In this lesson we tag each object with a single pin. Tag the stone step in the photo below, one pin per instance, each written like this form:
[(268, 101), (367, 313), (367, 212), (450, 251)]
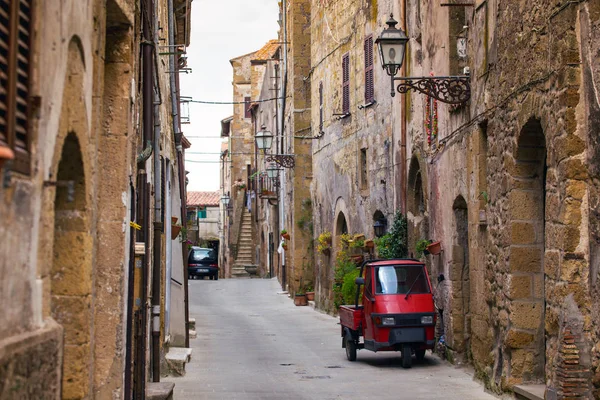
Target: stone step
[(530, 392), (159, 390), (176, 359)]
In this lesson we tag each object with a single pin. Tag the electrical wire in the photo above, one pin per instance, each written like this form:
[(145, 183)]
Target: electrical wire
[(234, 102)]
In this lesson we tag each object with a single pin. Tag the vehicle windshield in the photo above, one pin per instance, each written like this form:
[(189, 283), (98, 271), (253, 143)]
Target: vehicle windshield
[(202, 254), (398, 279)]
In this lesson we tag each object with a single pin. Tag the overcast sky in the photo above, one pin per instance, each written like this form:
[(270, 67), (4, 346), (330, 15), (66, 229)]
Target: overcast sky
[(221, 30)]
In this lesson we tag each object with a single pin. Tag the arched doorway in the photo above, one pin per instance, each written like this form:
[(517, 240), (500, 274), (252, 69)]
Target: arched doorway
[(418, 226), (527, 249), (341, 226), (71, 273), (459, 276)]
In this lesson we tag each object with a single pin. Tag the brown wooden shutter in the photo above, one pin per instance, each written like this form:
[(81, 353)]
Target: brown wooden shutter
[(247, 113), (15, 42), (320, 107), (5, 13), (369, 86), (346, 84)]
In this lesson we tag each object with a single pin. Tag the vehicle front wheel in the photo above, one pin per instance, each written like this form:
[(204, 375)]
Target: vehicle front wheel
[(420, 354), (350, 348), (406, 356)]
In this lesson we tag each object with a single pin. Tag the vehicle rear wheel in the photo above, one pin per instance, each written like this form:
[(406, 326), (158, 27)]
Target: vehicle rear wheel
[(216, 277), (212, 277), (406, 356), (350, 348), (420, 354)]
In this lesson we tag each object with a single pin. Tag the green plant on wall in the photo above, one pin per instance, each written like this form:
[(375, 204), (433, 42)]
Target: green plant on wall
[(394, 244), (324, 242), (421, 247), (346, 272)]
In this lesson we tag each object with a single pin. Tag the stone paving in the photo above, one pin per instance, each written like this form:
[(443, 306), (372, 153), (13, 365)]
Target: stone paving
[(253, 343)]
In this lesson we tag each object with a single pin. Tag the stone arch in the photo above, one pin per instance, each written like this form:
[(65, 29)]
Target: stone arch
[(341, 224), (527, 252), (418, 226), (71, 275), (460, 278)]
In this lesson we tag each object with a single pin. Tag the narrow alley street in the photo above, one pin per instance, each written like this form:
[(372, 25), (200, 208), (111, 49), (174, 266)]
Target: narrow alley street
[(253, 343)]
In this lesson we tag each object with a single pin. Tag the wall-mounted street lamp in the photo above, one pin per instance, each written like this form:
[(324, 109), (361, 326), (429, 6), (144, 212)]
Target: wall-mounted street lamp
[(379, 227), (225, 200), (264, 141), (272, 170), (392, 47)]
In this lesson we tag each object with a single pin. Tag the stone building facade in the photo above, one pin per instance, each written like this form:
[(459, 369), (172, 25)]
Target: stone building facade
[(506, 182), (70, 120)]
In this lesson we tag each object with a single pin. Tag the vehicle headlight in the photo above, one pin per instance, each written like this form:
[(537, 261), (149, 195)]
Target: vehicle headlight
[(388, 321), (427, 320)]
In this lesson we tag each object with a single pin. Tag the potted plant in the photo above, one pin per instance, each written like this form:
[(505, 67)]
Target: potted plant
[(284, 245), (285, 234), (369, 244), (421, 247), (175, 230), (239, 185), (174, 220), (324, 243), (310, 293), (300, 299), (435, 248), (5, 154)]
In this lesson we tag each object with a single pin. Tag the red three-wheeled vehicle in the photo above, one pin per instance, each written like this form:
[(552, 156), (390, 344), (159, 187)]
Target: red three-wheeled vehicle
[(396, 313)]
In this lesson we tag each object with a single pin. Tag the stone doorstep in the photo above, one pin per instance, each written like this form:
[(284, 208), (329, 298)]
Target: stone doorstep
[(159, 390), (176, 359), (192, 323), (530, 392)]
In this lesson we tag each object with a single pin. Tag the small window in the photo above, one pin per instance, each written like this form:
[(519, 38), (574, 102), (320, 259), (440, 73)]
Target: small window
[(320, 107), (369, 89), (346, 84), (202, 213), (247, 113), (15, 42), (363, 169), (190, 216)]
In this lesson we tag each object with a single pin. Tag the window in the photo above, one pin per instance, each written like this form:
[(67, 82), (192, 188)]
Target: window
[(320, 107), (202, 213), (15, 37), (346, 84), (191, 217), (363, 169), (401, 279), (369, 90), (247, 113)]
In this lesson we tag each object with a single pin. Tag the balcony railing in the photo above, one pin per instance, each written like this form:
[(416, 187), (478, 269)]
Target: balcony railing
[(267, 187)]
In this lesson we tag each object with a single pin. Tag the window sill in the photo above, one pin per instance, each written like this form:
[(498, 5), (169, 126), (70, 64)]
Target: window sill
[(343, 116), (367, 105)]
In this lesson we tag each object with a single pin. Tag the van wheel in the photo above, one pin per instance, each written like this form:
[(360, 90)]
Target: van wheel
[(420, 354), (406, 356), (350, 348)]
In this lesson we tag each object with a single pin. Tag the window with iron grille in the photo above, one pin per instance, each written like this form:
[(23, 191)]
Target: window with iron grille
[(247, 113), (320, 107), (346, 84), (15, 38), (363, 169), (369, 91)]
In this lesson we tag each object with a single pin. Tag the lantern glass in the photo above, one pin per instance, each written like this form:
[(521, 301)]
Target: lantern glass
[(225, 200), (392, 47), (379, 228), (272, 171), (263, 138)]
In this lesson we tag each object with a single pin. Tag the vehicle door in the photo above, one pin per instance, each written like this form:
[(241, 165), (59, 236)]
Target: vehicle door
[(368, 304)]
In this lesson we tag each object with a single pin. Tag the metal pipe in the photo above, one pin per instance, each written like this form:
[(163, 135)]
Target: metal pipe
[(403, 129), (130, 294), (282, 130), (148, 98)]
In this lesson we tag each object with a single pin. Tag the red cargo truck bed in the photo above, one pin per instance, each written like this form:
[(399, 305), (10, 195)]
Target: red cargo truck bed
[(350, 316)]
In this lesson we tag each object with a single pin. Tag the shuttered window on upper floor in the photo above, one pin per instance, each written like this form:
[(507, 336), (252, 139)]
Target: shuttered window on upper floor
[(346, 84), (247, 113), (369, 90), (15, 41)]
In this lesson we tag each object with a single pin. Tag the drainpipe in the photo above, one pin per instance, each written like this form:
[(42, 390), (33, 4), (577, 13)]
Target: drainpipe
[(282, 96), (403, 128), (174, 84), (130, 294), (148, 97)]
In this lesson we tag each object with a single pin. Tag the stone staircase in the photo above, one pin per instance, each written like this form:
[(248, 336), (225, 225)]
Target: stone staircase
[(243, 262)]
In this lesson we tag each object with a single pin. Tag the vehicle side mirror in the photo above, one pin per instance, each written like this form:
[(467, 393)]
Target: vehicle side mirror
[(359, 281)]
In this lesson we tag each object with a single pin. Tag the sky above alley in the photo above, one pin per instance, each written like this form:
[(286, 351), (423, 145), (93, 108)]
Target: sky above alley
[(221, 30)]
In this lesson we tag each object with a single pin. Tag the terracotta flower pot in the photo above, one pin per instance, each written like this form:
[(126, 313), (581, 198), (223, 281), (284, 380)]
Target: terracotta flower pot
[(174, 220), (286, 236), (369, 244), (310, 296), (175, 229), (5, 154), (435, 248), (357, 259), (300, 300)]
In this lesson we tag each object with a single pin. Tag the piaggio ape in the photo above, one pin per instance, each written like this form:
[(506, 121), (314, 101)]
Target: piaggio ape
[(397, 312)]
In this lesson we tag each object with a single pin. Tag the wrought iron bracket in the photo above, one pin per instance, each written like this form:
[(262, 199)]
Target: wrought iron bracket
[(284, 160), (447, 89)]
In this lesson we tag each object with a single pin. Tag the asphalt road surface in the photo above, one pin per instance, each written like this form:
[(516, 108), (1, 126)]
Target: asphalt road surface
[(253, 343)]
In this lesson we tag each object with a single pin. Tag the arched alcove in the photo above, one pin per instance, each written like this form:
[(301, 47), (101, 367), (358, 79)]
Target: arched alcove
[(460, 277)]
